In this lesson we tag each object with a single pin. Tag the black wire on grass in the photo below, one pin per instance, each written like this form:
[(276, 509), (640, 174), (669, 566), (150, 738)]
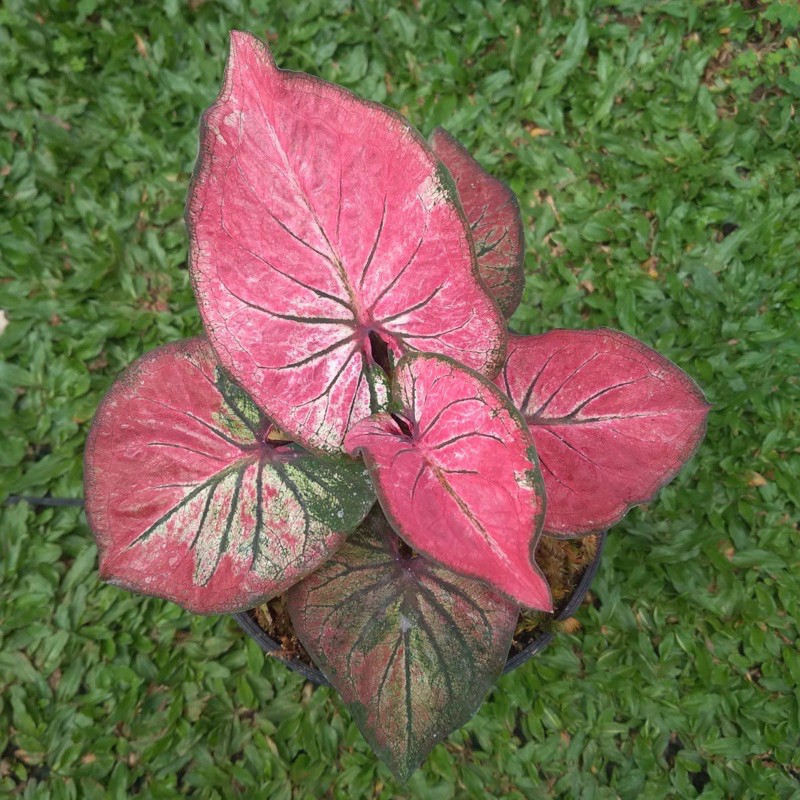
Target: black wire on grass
[(13, 499)]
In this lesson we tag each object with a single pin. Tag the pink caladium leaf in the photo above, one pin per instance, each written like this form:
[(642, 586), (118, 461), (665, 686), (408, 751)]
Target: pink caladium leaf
[(613, 421), (326, 241), (192, 496), (457, 475), (412, 647), (493, 213)]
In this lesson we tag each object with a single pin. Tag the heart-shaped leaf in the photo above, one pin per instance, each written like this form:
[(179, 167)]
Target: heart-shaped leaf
[(193, 497), (613, 421), (324, 232), (493, 213), (457, 475), (412, 647)]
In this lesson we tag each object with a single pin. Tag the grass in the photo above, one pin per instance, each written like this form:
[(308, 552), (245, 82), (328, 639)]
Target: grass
[(654, 150)]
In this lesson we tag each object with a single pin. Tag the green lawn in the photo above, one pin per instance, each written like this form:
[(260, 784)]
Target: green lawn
[(654, 149)]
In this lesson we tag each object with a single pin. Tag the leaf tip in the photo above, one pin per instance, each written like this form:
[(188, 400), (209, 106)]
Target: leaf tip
[(104, 572), (239, 40), (439, 134), (247, 47), (401, 770), (441, 137), (538, 597)]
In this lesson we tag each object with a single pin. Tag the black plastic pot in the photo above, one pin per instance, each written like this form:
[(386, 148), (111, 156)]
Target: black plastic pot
[(269, 645)]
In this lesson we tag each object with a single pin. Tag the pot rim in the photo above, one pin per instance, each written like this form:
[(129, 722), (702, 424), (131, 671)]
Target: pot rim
[(270, 646)]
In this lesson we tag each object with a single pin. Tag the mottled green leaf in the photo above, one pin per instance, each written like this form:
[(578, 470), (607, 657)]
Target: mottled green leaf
[(412, 647), (194, 496)]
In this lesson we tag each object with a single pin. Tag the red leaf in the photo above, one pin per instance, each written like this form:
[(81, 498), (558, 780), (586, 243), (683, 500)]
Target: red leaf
[(493, 213), (318, 219), (190, 501), (457, 475), (412, 647), (613, 421)]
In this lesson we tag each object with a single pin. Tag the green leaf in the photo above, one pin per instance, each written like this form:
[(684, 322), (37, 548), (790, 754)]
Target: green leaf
[(572, 53), (412, 647)]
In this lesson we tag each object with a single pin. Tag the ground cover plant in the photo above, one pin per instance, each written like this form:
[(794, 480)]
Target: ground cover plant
[(652, 153)]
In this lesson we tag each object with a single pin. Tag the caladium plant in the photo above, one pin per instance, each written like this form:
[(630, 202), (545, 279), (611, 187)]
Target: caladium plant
[(357, 430)]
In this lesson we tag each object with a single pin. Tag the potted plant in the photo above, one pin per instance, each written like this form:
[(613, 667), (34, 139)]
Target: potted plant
[(357, 431)]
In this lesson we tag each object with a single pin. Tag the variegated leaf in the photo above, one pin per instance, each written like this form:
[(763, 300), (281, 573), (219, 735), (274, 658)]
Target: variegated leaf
[(412, 647), (494, 217), (613, 421), (192, 497), (456, 473), (325, 239)]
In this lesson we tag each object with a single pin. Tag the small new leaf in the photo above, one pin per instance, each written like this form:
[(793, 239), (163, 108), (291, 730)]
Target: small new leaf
[(457, 475)]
